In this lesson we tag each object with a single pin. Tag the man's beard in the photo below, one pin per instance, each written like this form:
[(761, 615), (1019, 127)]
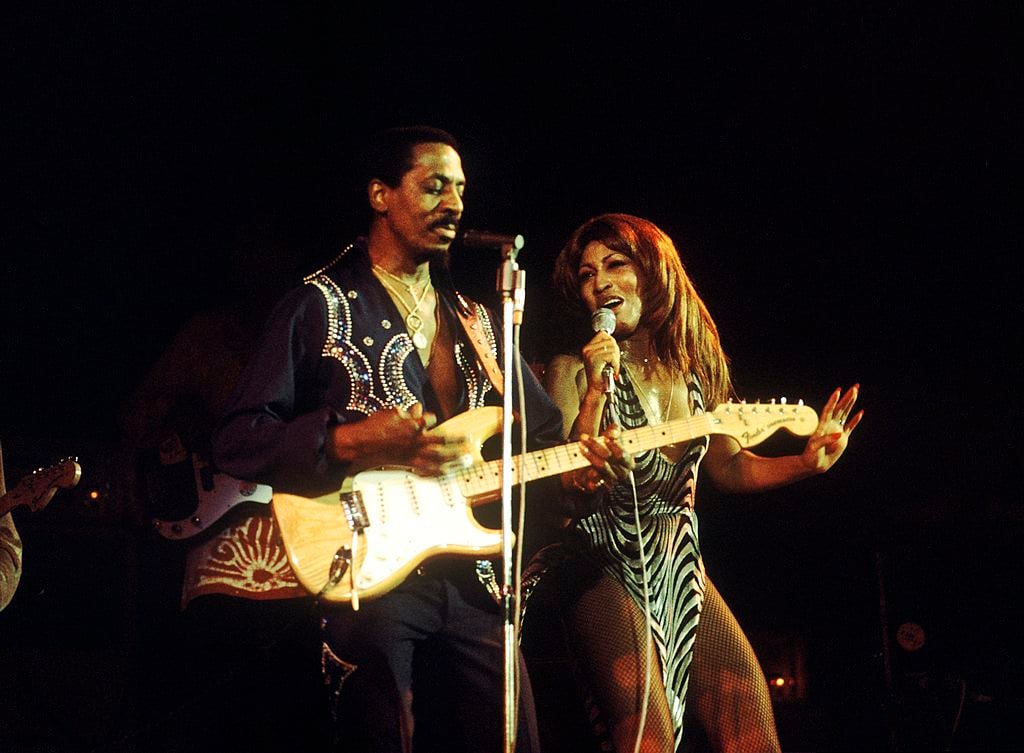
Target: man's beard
[(438, 257)]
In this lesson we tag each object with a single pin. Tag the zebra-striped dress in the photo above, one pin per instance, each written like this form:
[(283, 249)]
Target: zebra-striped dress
[(667, 537)]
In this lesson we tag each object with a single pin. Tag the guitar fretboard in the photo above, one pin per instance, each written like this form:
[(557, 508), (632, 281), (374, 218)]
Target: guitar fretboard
[(484, 479), (749, 424)]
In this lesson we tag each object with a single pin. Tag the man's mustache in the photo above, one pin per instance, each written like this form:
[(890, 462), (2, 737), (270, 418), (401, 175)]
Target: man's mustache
[(446, 220)]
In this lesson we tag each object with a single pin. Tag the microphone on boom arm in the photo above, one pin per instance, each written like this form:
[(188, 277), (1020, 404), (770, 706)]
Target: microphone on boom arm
[(485, 239)]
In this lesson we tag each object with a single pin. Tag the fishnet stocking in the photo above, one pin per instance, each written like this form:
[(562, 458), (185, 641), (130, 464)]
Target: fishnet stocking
[(608, 638), (728, 692)]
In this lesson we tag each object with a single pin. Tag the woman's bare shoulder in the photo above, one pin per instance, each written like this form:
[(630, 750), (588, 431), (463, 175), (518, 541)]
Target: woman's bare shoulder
[(565, 362), (562, 367)]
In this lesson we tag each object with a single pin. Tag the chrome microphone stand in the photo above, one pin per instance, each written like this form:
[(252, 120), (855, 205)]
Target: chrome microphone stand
[(512, 288)]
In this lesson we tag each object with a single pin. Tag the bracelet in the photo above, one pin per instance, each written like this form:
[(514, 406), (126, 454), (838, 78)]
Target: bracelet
[(577, 485), (586, 489)]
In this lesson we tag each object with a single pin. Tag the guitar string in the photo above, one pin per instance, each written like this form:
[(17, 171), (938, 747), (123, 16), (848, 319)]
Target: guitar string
[(551, 462)]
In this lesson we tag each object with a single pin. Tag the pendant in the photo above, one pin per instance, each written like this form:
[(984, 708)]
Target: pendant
[(419, 340)]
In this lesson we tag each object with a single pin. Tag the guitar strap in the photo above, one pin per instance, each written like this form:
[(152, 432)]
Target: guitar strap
[(477, 335), (470, 320)]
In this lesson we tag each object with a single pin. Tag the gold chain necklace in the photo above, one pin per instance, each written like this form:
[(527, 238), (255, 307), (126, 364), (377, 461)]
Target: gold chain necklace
[(413, 321), (636, 360), (409, 286)]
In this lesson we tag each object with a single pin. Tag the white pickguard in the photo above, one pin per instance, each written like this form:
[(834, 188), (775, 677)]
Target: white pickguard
[(409, 516)]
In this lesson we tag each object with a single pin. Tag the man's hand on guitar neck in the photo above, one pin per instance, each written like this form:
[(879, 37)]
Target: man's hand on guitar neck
[(398, 437)]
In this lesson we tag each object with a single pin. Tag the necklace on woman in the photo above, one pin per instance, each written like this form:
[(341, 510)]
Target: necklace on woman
[(638, 360), (413, 320), (655, 416)]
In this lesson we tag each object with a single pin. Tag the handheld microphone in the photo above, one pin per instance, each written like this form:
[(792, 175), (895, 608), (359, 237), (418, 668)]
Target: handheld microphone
[(484, 239), (603, 320)]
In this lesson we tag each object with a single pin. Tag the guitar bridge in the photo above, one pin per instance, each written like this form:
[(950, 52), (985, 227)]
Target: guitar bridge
[(339, 566), (344, 561), (354, 509)]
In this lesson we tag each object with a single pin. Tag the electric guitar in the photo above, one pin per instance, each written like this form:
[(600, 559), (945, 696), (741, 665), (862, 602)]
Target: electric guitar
[(217, 493), (365, 538), (37, 489)]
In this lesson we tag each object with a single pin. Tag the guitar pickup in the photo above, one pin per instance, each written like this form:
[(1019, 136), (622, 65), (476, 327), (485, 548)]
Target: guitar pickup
[(355, 510)]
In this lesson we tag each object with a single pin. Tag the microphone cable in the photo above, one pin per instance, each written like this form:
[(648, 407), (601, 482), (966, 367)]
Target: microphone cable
[(611, 416), (648, 622)]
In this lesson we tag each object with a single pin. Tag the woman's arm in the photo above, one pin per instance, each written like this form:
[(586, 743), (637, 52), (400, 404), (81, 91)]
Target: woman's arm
[(562, 381), (733, 469), (567, 384)]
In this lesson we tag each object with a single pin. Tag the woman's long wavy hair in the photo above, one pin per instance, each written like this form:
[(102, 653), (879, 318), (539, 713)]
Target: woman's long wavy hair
[(683, 334)]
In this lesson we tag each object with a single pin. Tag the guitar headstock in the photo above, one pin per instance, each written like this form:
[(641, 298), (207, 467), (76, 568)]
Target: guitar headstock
[(37, 489), (752, 423)]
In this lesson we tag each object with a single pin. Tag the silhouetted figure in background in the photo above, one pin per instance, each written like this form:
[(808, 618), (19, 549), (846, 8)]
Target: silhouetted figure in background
[(10, 550), (229, 650)]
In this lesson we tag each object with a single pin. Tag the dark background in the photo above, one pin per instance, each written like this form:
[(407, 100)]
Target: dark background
[(842, 181)]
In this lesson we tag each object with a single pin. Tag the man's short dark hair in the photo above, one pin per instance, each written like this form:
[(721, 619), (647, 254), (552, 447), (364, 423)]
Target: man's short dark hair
[(388, 153)]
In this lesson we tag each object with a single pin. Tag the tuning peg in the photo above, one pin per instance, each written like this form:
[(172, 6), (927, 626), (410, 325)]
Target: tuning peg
[(782, 399)]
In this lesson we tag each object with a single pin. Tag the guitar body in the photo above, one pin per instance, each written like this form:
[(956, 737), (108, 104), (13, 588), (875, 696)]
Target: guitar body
[(216, 493), (405, 518)]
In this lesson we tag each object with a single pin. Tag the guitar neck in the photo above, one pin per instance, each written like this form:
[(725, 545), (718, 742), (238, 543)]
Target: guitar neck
[(482, 482), (38, 488)]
